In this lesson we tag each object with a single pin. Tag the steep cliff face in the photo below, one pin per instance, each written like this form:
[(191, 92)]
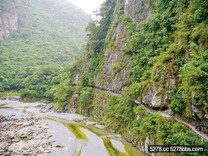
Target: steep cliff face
[(115, 71), (138, 10), (158, 95), (152, 61), (115, 79), (37, 34), (8, 23), (156, 73)]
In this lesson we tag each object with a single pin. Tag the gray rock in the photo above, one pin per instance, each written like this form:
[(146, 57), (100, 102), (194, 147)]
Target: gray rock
[(99, 126), (147, 142), (194, 101), (153, 98), (76, 79), (115, 80), (170, 83), (158, 96), (4, 118), (206, 116), (14, 98), (11, 134), (157, 100), (138, 10), (91, 123), (195, 112), (139, 146), (169, 112), (8, 23), (7, 97)]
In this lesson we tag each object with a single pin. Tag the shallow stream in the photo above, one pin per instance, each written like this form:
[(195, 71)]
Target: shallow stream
[(74, 138)]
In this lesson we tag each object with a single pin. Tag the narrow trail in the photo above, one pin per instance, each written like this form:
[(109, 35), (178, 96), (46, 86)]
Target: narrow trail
[(164, 113)]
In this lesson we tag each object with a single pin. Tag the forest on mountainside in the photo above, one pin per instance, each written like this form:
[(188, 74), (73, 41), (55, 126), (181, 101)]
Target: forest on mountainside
[(50, 34), (165, 52), (161, 60), (173, 42)]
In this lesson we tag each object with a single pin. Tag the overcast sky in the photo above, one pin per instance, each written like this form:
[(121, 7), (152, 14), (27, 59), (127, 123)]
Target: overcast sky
[(87, 5)]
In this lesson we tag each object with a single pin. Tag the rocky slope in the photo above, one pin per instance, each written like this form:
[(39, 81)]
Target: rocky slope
[(23, 136), (35, 129), (8, 23), (115, 68), (150, 55), (38, 33)]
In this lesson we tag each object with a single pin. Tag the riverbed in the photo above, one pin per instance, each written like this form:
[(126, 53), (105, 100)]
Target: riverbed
[(35, 129)]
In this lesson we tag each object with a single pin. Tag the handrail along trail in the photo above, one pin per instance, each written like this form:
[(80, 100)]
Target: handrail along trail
[(202, 135)]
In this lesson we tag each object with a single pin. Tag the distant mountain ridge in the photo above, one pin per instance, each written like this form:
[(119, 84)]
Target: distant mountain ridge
[(36, 33)]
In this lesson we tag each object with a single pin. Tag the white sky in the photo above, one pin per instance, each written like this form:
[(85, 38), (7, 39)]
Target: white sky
[(87, 5)]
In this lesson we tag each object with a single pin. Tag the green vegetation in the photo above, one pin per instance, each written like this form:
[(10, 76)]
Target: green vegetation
[(11, 93), (99, 29), (171, 44), (85, 99), (173, 39), (112, 150), (48, 34), (6, 5), (133, 122), (76, 131), (38, 82)]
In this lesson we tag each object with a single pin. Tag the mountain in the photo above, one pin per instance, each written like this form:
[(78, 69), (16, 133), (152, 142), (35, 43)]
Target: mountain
[(143, 73), (144, 68), (37, 33)]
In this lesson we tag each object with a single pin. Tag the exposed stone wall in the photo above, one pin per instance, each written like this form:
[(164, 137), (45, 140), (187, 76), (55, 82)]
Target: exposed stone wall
[(116, 80), (157, 95), (113, 80), (8, 23), (138, 10)]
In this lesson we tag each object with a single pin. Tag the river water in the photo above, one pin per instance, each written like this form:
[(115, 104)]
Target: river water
[(74, 134)]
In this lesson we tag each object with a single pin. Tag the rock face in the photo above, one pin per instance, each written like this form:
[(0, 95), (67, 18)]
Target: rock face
[(138, 10), (24, 136), (8, 23), (115, 80), (158, 96), (195, 112), (153, 97), (157, 93), (13, 98)]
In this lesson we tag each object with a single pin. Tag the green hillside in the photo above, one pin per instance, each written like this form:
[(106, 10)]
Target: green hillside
[(162, 60), (143, 73), (50, 32)]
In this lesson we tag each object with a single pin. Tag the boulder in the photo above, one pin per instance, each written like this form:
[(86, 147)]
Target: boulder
[(194, 101), (154, 98), (7, 97), (146, 144), (195, 112), (206, 116), (91, 123), (100, 126), (14, 98)]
